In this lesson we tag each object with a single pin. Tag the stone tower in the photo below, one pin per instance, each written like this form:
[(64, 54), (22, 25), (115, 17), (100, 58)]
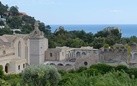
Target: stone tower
[(37, 46)]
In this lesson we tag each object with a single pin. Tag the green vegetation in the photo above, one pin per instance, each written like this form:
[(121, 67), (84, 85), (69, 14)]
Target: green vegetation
[(1, 72), (100, 75), (41, 75), (95, 75), (18, 20)]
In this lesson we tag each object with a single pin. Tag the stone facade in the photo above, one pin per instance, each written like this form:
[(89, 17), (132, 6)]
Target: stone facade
[(19, 50), (113, 55)]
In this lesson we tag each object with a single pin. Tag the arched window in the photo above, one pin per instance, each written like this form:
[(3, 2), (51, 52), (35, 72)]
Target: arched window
[(7, 68), (19, 49), (78, 54)]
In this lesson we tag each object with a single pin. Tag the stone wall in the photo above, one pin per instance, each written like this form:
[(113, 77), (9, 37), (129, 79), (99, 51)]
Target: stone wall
[(113, 55), (87, 60)]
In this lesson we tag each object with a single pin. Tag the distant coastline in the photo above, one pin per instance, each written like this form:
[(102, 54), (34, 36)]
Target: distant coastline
[(128, 30)]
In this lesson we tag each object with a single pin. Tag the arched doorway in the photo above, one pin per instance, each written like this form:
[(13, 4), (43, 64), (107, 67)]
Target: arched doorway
[(7, 68)]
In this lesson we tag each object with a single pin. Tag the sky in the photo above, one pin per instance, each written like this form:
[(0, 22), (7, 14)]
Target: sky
[(79, 11)]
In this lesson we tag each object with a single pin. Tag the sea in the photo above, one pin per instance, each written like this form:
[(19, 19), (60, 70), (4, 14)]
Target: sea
[(127, 30)]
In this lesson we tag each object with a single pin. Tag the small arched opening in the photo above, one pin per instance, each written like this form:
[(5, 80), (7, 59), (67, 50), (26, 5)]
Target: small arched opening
[(60, 64), (78, 54), (68, 65), (7, 68), (52, 64)]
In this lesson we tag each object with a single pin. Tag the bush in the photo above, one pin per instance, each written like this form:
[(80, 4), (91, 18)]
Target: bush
[(81, 69), (62, 72), (121, 68), (13, 79), (132, 71), (1, 72), (106, 45), (41, 75), (4, 83), (108, 79), (102, 68), (90, 72)]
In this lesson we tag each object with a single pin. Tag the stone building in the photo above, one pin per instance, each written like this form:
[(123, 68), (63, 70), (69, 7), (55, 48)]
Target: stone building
[(71, 58), (19, 50)]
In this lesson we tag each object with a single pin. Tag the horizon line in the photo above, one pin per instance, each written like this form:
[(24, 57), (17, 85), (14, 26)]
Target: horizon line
[(91, 24)]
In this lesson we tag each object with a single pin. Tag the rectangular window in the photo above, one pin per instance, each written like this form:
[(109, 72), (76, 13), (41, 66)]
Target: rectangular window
[(50, 54), (23, 65), (18, 67)]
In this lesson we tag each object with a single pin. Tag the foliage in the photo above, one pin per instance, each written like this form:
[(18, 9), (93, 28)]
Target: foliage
[(5, 31), (108, 79), (1, 72), (121, 68), (62, 72), (4, 83), (1, 23), (106, 46), (102, 68), (14, 11), (41, 75), (81, 69), (132, 72), (13, 79), (98, 42), (2, 9), (14, 22)]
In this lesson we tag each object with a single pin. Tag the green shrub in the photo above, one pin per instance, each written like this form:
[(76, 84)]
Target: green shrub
[(108, 79), (106, 45), (132, 71), (62, 72), (102, 68), (41, 75), (121, 68), (4, 83), (13, 79), (81, 69), (1, 72), (72, 71)]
